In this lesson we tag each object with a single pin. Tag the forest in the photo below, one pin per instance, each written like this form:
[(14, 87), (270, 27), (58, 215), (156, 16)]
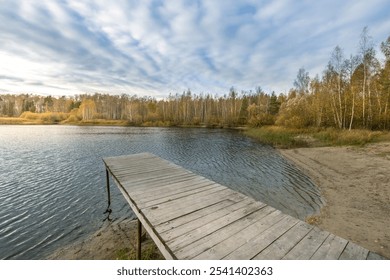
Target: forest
[(352, 92)]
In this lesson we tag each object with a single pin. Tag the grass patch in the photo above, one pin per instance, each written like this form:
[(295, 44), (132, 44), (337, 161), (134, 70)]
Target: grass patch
[(278, 136), (149, 252), (287, 138), (356, 137), (8, 120), (102, 122), (45, 118)]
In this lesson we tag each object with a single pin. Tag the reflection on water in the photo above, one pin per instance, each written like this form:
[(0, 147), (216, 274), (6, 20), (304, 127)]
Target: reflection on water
[(52, 187)]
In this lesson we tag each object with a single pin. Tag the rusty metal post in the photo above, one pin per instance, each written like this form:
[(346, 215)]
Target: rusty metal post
[(139, 230), (108, 191)]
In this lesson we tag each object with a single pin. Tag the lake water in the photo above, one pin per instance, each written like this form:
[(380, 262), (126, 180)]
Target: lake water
[(52, 178)]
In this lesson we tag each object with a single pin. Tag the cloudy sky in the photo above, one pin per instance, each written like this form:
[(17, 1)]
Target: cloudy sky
[(67, 47)]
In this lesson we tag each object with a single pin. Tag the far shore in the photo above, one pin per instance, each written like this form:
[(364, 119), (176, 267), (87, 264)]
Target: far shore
[(103, 122)]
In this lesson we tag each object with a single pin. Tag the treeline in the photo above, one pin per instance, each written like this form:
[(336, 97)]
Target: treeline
[(352, 92), (254, 108)]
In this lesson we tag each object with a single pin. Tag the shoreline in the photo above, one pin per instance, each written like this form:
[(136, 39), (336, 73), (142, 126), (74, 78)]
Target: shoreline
[(355, 183), (114, 241)]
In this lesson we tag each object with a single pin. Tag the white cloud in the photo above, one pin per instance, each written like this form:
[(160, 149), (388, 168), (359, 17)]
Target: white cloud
[(157, 47)]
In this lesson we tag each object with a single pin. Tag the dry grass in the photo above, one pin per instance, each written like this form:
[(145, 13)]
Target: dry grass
[(149, 252), (43, 118), (58, 118), (8, 120), (356, 137), (282, 137), (104, 122), (278, 136), (313, 220)]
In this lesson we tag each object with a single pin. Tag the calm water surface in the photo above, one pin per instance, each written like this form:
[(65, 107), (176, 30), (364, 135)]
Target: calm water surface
[(52, 178)]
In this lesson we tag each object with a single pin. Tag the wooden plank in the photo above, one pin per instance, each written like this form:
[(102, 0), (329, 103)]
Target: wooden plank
[(213, 226), (375, 256), (172, 196), (165, 214), (138, 165), (266, 235), (149, 183), (199, 214), (306, 248), (168, 206), (158, 218), (128, 158), (354, 252), (159, 175), (151, 186), (195, 248), (144, 170), (199, 222), (331, 249), (114, 164), (284, 243), (171, 189), (239, 239)]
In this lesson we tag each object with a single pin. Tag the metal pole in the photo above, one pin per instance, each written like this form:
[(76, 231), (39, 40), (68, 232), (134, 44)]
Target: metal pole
[(108, 191), (139, 225)]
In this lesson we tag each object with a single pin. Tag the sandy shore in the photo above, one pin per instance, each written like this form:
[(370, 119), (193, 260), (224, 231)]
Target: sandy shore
[(116, 240), (355, 182)]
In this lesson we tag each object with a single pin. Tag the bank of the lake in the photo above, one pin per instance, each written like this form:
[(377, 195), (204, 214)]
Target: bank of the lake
[(114, 241), (289, 138), (352, 169), (355, 182)]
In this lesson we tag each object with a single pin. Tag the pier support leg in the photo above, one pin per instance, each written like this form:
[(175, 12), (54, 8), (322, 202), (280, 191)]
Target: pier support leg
[(108, 192), (139, 236)]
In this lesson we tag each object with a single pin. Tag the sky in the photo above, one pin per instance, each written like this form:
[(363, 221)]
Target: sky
[(153, 48)]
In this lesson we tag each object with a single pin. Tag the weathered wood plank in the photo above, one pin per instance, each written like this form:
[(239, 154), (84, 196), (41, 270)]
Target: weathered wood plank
[(213, 226), (285, 243), (171, 196), (306, 248), (151, 176), (240, 239), (190, 226), (168, 206), (375, 256), (170, 189), (225, 231), (198, 214), (144, 170), (331, 249), (158, 218), (354, 252), (267, 234), (155, 185), (149, 183), (125, 159)]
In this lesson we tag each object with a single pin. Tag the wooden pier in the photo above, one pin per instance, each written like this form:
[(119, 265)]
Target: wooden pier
[(191, 217)]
